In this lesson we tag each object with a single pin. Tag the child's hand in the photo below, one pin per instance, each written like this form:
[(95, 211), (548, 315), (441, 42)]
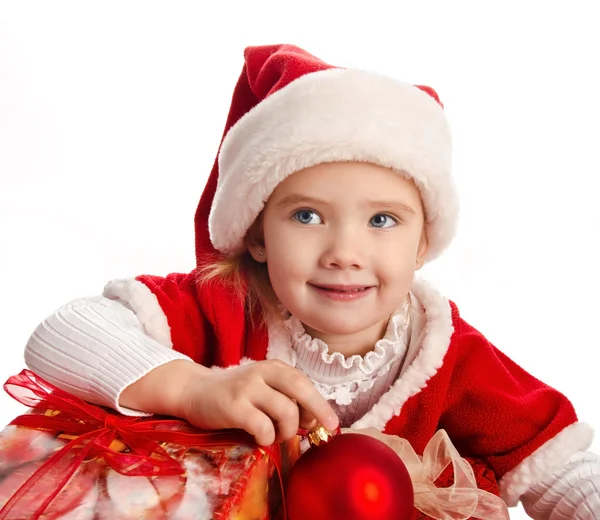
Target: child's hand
[(269, 399)]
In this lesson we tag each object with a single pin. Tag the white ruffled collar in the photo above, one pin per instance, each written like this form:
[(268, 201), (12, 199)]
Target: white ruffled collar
[(342, 379), (386, 348)]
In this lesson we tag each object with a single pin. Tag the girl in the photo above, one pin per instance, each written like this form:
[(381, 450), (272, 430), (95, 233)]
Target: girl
[(331, 188)]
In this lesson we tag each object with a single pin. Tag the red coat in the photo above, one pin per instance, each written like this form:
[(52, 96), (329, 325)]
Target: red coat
[(491, 408)]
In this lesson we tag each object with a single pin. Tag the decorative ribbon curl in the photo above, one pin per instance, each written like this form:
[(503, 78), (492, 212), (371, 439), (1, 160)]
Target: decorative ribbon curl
[(93, 431), (459, 501)]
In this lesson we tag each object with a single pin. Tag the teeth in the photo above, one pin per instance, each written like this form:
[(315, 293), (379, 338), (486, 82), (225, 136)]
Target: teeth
[(360, 289)]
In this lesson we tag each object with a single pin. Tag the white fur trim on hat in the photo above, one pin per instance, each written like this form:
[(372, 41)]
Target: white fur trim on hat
[(331, 116)]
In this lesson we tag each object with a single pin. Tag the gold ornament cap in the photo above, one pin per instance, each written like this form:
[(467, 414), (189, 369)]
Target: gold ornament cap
[(319, 435)]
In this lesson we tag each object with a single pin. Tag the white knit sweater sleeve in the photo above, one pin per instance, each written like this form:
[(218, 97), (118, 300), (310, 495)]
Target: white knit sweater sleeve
[(94, 348), (570, 493)]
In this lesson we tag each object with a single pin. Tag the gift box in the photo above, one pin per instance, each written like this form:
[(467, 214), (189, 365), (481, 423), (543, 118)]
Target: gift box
[(72, 460)]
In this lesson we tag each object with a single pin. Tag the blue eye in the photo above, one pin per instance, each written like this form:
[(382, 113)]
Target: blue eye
[(382, 221), (307, 216)]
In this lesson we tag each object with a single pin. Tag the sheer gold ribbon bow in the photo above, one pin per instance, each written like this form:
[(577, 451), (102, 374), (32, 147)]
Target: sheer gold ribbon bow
[(460, 501)]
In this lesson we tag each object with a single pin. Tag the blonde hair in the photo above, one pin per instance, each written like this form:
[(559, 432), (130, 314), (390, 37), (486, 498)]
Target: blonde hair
[(248, 278)]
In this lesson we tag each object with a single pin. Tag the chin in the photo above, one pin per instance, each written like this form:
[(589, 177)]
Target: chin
[(337, 328)]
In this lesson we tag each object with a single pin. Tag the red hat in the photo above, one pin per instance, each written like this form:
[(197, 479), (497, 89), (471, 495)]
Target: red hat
[(291, 111)]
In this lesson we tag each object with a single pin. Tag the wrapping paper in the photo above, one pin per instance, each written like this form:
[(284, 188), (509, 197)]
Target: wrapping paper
[(71, 460)]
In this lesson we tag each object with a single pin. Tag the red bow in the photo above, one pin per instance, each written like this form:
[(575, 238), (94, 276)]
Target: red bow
[(95, 429)]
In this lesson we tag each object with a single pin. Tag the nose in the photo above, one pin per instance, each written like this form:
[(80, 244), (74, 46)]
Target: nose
[(343, 250)]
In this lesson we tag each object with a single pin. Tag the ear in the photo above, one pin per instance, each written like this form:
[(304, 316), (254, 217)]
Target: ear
[(255, 242), (422, 250), (258, 252)]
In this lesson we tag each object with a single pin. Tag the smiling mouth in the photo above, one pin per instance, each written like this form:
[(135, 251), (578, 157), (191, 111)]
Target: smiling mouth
[(342, 293), (341, 288)]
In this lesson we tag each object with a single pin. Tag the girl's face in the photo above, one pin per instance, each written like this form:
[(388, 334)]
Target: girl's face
[(342, 242)]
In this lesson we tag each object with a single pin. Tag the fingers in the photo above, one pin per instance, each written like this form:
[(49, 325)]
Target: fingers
[(307, 419), (267, 414), (283, 412), (272, 417), (298, 387), (268, 399), (259, 425)]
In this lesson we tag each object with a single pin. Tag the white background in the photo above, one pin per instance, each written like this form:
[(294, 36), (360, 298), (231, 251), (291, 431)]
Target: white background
[(111, 113)]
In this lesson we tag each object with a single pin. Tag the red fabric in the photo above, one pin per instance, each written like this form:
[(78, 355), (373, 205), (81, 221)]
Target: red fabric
[(207, 323), (220, 314), (491, 408), (266, 70)]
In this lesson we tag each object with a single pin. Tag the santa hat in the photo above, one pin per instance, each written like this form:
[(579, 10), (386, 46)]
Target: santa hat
[(291, 111)]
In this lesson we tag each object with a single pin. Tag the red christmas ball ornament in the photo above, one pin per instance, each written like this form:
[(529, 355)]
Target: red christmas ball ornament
[(350, 477)]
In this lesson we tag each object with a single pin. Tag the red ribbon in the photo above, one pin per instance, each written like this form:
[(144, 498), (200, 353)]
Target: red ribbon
[(95, 429)]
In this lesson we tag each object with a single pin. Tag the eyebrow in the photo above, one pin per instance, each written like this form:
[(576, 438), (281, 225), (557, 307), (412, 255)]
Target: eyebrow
[(297, 198), (391, 204)]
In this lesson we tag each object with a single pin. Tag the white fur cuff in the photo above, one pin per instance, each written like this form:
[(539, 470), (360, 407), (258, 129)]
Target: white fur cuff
[(545, 460), (144, 304)]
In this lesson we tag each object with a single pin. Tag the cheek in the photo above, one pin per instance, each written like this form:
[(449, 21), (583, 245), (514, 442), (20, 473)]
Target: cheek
[(287, 253), (395, 271), (402, 244), (396, 259), (287, 271)]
